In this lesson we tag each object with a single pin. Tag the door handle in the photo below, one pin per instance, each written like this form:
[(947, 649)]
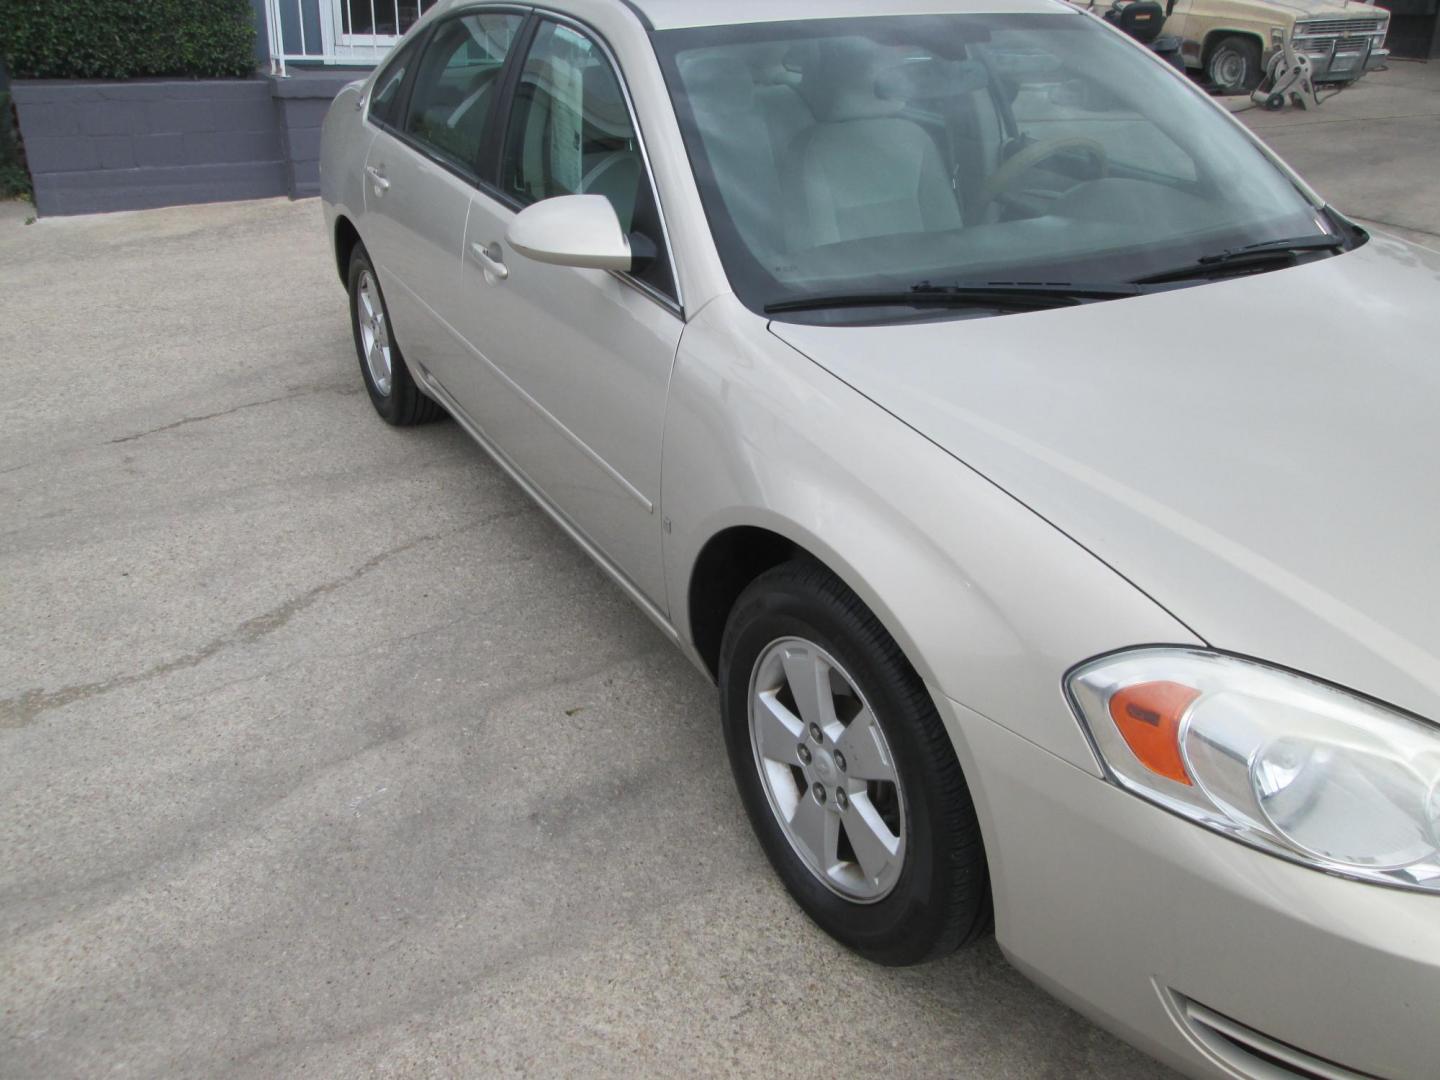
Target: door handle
[(378, 179), (489, 258)]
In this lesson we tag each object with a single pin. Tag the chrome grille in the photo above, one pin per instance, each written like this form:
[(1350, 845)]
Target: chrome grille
[(1339, 27)]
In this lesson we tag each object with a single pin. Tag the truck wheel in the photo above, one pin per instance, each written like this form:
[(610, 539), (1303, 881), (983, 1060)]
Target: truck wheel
[(1234, 66)]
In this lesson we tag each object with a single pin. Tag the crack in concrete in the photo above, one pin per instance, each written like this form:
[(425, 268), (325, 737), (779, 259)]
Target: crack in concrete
[(299, 391), (234, 821), (16, 712)]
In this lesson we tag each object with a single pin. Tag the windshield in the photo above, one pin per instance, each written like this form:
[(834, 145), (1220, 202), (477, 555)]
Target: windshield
[(855, 155)]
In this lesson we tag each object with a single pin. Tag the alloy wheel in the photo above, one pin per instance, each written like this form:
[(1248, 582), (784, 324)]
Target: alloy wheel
[(374, 332), (827, 770)]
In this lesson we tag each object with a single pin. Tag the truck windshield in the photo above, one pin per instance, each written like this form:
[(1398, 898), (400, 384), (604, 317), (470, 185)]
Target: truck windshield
[(877, 154)]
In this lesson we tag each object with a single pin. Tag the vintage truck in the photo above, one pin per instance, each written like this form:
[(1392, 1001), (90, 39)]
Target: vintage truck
[(1231, 41)]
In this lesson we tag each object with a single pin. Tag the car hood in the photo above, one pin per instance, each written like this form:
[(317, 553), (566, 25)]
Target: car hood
[(1260, 455), (1334, 8)]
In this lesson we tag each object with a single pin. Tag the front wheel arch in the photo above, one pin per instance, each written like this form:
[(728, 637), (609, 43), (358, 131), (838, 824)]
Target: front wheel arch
[(1215, 39), (739, 546), (727, 564), (941, 898)]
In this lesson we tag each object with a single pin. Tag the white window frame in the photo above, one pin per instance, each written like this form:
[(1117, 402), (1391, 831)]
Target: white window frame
[(341, 42)]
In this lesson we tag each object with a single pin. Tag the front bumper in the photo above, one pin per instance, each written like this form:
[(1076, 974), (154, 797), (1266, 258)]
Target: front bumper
[(1341, 59), (1154, 926)]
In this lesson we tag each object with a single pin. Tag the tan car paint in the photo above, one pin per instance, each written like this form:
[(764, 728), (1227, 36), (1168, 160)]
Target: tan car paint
[(1115, 905)]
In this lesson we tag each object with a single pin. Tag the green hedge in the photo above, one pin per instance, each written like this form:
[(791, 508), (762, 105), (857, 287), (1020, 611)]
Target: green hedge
[(127, 39)]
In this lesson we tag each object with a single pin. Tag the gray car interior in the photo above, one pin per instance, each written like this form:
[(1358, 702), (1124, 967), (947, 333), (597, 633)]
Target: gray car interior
[(815, 143), (841, 158), (861, 169)]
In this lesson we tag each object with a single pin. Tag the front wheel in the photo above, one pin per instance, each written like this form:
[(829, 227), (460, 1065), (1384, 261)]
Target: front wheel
[(846, 771), (1234, 66)]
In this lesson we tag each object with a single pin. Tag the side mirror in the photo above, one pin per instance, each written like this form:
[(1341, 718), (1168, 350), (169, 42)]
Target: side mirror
[(572, 230)]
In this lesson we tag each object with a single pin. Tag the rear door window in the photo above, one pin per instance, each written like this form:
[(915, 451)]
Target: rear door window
[(457, 84), (386, 96)]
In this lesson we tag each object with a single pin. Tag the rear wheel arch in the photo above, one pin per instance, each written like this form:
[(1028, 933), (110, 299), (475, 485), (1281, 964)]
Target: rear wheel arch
[(346, 239)]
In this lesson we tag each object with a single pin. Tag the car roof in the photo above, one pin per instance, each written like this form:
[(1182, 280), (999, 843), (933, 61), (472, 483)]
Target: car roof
[(673, 14)]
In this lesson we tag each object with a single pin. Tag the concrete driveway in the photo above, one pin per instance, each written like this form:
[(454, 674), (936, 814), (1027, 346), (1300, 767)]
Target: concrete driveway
[(1373, 150), (325, 752), (322, 751)]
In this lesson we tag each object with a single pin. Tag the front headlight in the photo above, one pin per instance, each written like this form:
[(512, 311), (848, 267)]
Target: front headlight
[(1284, 763)]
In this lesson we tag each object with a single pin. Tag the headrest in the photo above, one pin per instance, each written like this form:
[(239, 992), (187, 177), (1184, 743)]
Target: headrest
[(720, 85), (839, 81), (769, 66)]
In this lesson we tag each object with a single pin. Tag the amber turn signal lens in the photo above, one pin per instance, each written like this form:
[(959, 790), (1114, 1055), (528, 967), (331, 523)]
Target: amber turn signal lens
[(1148, 716)]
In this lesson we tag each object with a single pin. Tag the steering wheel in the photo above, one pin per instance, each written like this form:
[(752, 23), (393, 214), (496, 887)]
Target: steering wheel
[(1006, 177)]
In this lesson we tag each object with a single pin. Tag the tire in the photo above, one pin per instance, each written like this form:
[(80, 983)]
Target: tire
[(930, 892), (392, 389), (1234, 65)]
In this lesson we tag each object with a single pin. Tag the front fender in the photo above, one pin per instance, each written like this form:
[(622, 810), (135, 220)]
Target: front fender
[(991, 604)]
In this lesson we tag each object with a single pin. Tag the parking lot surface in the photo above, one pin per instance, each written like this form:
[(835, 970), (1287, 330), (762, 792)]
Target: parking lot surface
[(322, 751), (1373, 150)]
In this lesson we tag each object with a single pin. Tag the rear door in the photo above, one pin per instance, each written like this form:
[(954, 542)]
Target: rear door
[(421, 173)]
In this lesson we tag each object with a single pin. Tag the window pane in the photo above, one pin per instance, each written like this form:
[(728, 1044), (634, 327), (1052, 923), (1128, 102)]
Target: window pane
[(456, 84), (387, 18), (570, 132), (386, 97), (874, 153)]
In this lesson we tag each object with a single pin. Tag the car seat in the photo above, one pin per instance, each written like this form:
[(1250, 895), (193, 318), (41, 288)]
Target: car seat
[(861, 170)]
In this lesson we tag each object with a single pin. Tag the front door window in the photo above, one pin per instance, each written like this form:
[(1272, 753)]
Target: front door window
[(571, 133)]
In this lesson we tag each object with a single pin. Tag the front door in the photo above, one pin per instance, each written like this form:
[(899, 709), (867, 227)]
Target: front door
[(570, 368)]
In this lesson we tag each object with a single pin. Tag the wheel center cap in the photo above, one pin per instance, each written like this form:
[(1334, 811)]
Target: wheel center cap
[(824, 765)]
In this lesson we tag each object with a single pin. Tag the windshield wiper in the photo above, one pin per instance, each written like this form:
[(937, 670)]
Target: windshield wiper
[(1005, 295), (1251, 255)]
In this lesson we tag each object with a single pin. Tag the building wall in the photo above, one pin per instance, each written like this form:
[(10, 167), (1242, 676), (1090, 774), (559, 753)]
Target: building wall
[(303, 99), (1414, 28), (100, 146)]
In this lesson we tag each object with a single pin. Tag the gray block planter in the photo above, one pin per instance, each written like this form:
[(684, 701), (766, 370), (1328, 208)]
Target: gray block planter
[(301, 100), (97, 146)]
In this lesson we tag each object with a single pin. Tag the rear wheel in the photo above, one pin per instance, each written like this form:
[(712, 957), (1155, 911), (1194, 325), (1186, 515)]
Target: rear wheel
[(1234, 66), (846, 771), (392, 391)]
